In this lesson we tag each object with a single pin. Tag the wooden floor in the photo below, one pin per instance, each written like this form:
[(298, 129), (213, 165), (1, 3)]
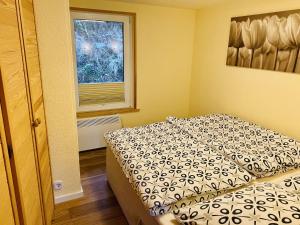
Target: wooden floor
[(98, 206)]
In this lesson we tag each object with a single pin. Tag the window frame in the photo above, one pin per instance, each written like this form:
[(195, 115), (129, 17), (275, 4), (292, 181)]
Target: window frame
[(129, 67)]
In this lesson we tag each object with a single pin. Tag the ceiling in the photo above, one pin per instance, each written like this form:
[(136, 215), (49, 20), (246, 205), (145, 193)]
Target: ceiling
[(193, 4)]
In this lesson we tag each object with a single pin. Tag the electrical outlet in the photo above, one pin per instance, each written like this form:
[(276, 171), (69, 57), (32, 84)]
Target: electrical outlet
[(58, 185)]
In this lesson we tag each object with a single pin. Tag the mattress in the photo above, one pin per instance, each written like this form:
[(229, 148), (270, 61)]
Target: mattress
[(260, 151), (166, 165)]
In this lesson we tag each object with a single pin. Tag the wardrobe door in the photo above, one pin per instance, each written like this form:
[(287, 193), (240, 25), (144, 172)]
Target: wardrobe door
[(8, 205), (37, 104), (16, 115), (6, 210)]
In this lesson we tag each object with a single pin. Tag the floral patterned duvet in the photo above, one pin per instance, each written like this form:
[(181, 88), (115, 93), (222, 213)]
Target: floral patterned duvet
[(258, 204), (260, 151), (183, 162), (167, 165)]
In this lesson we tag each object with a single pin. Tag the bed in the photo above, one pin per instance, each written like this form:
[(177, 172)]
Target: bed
[(134, 156), (135, 211)]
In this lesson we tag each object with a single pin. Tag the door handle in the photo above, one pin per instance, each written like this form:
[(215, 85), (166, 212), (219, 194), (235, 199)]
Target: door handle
[(36, 122)]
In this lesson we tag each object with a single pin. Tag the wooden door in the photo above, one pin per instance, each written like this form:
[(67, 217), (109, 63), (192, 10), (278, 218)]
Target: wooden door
[(37, 104), (17, 119), (9, 207), (6, 212), (6, 209)]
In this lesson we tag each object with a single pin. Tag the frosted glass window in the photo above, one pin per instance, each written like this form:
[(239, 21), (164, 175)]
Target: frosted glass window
[(104, 61), (99, 51)]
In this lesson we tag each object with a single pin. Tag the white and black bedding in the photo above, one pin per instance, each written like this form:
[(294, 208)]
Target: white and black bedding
[(260, 151), (166, 165), (187, 165), (291, 184), (258, 204)]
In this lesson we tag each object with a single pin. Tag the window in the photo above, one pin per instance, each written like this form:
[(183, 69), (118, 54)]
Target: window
[(104, 60)]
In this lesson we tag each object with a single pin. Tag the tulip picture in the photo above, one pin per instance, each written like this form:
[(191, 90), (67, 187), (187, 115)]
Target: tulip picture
[(267, 41), (235, 42)]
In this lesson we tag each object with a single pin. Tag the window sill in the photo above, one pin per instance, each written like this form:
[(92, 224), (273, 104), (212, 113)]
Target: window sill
[(81, 115)]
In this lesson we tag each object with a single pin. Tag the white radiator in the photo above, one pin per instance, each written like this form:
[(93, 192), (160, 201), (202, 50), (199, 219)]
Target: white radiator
[(91, 131)]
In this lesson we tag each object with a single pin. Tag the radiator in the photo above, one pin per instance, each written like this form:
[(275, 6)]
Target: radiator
[(91, 131)]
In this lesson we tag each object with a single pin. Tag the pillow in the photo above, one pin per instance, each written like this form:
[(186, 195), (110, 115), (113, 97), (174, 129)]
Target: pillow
[(259, 204)]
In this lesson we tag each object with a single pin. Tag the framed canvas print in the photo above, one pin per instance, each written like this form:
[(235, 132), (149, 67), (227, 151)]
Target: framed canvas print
[(268, 41)]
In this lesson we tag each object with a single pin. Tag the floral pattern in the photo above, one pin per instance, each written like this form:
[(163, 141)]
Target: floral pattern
[(260, 151), (291, 184), (259, 204), (181, 163), (166, 165)]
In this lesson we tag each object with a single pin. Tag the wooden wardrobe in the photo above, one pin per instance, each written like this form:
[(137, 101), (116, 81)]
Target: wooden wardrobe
[(26, 195)]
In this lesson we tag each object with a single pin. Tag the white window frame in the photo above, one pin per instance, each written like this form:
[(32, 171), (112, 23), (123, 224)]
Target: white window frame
[(129, 73)]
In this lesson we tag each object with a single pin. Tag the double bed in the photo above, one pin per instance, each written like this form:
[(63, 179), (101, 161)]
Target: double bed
[(162, 171)]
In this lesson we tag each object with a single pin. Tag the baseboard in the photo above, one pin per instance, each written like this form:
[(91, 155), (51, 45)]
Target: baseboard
[(68, 197)]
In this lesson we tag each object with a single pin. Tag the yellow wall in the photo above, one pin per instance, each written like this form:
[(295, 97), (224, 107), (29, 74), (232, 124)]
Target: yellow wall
[(164, 57), (53, 29), (165, 44), (271, 99)]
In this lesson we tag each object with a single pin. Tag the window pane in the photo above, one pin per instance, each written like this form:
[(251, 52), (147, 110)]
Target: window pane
[(99, 51), (100, 61)]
